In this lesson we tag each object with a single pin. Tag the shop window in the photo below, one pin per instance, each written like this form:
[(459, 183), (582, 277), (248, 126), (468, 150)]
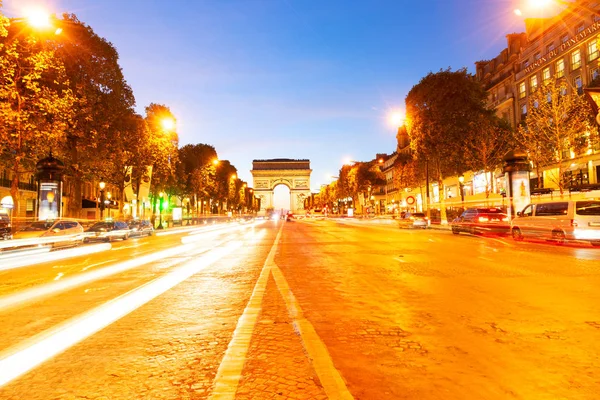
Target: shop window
[(578, 84)]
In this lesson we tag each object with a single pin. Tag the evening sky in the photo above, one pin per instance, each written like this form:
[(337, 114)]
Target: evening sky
[(302, 79)]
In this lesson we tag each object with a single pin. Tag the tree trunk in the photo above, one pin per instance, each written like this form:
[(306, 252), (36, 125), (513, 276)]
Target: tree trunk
[(443, 216), (75, 201)]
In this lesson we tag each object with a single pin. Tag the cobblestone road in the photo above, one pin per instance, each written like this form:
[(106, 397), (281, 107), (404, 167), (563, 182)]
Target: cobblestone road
[(328, 311)]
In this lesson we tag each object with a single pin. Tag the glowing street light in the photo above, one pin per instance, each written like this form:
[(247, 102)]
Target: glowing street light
[(168, 123)]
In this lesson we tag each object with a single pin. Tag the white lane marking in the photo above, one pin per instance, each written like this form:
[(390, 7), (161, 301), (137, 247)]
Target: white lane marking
[(60, 275), (330, 377), (37, 292), (15, 262), (56, 340), (229, 373), (399, 259)]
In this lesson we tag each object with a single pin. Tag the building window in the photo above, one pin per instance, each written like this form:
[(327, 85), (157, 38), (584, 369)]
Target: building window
[(533, 83), (595, 73), (549, 97), (578, 84), (537, 56), (575, 59), (564, 38), (523, 111), (550, 47), (592, 50), (525, 64), (595, 17), (536, 104), (522, 90), (560, 68), (579, 28), (546, 75)]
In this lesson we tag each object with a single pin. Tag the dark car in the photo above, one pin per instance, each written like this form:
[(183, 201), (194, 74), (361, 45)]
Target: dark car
[(140, 228), (106, 231), (5, 231), (481, 220)]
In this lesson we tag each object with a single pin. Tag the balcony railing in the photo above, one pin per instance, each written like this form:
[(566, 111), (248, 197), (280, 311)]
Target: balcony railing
[(32, 187)]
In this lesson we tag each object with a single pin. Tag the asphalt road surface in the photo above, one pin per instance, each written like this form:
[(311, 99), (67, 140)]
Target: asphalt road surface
[(309, 309)]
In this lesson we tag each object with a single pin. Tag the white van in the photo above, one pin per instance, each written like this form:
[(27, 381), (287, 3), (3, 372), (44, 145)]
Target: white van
[(559, 221)]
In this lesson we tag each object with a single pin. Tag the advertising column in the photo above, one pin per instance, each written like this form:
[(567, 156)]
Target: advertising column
[(516, 173)]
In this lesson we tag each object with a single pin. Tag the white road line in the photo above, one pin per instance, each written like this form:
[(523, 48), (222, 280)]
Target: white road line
[(228, 376), (56, 340), (330, 378)]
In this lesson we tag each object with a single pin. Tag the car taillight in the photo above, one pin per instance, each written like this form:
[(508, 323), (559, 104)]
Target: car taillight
[(573, 223), (483, 219), (504, 219)]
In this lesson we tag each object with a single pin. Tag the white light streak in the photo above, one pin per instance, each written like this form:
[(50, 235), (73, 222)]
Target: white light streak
[(13, 261), (59, 339), (41, 291)]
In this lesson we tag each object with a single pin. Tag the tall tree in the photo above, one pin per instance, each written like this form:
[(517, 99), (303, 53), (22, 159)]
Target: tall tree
[(103, 101), (198, 162), (443, 111), (557, 124), (35, 100)]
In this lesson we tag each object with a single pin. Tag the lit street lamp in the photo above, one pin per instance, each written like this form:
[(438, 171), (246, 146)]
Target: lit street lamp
[(160, 209), (461, 184), (102, 185)]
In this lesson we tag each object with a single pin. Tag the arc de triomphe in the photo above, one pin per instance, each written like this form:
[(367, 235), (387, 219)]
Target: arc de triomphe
[(295, 174)]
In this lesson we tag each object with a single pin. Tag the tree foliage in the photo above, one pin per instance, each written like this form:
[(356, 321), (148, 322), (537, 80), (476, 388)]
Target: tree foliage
[(35, 100)]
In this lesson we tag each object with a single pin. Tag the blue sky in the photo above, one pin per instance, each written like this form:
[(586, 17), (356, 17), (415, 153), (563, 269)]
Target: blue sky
[(306, 79)]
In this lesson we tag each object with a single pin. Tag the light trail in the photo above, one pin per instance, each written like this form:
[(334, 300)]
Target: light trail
[(58, 339), (14, 261), (41, 291)]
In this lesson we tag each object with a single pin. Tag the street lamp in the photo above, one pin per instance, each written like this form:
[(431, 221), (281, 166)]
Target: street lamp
[(108, 196), (461, 184), (160, 208), (102, 185)]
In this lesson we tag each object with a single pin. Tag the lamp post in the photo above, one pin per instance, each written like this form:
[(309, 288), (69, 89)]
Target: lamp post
[(102, 185), (160, 209), (461, 184), (108, 201)]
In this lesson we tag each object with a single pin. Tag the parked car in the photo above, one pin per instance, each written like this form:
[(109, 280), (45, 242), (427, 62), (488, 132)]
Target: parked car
[(106, 231), (5, 230), (414, 220), (61, 232), (559, 221), (480, 220), (140, 228)]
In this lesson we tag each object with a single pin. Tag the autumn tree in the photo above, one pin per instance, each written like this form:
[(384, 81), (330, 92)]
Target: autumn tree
[(35, 100), (164, 142), (443, 113), (557, 123), (198, 162), (486, 150), (103, 100)]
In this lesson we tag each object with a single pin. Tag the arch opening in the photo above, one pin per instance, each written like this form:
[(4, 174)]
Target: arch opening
[(282, 198)]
